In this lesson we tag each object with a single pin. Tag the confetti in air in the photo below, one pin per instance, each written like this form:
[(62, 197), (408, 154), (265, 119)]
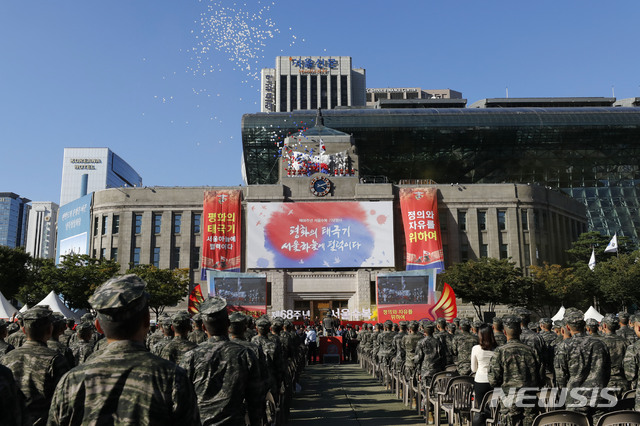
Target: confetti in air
[(239, 31)]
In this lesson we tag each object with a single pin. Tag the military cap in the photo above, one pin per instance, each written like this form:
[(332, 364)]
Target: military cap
[(522, 313), (428, 324), (465, 322), (197, 318), (575, 319), (238, 317), (592, 322), (456, 320), (13, 327), (164, 320), (559, 323), (120, 298), (511, 322), (388, 323), (477, 324), (263, 321), (85, 326), (401, 324), (278, 321), (58, 318), (180, 318), (533, 326), (213, 306), (451, 327), (86, 317), (545, 321), (623, 315), (609, 319), (38, 312), (441, 322), (497, 320), (634, 318), (3, 323)]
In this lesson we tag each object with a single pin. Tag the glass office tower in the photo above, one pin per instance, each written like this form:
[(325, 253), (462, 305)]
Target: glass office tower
[(14, 213), (590, 153)]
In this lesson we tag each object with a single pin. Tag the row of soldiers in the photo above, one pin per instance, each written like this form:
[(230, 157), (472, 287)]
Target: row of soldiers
[(221, 372), (571, 354)]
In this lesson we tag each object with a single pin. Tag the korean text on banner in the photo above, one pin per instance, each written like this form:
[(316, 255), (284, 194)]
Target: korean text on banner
[(222, 231), (419, 207)]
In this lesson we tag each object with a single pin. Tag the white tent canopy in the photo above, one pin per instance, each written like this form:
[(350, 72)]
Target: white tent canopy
[(592, 313), (24, 308), (559, 315), (6, 308), (56, 305)]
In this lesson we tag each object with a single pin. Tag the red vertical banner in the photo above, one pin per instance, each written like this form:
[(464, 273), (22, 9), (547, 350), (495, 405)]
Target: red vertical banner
[(222, 232), (419, 209)]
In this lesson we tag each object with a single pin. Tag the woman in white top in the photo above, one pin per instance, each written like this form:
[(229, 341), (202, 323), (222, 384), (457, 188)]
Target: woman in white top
[(480, 357)]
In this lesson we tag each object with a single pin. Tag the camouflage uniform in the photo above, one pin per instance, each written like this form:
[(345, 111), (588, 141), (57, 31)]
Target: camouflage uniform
[(68, 332), (632, 368), (399, 346), (548, 337), (17, 339), (410, 343), (224, 375), (430, 356), (4, 346), (124, 383), (617, 346), (582, 361), (387, 350), (11, 400), (272, 350), (462, 345), (197, 336), (36, 368), (446, 339), (515, 365), (498, 334), (179, 345)]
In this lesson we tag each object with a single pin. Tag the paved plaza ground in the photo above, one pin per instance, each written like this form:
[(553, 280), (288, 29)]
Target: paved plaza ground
[(344, 394)]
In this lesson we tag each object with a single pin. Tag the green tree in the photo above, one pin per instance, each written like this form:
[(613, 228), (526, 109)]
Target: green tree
[(618, 280), (166, 287), (81, 275), (44, 277), (557, 286), (580, 251), (485, 282), (14, 271)]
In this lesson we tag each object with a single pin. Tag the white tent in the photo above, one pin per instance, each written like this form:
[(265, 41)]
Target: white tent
[(592, 313), (56, 305), (24, 308), (559, 315), (6, 308)]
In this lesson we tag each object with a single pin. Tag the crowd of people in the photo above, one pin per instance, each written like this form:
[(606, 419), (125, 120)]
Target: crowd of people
[(595, 363), (215, 369)]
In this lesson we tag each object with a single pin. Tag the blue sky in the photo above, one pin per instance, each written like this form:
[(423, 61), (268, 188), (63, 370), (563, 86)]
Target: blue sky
[(164, 83)]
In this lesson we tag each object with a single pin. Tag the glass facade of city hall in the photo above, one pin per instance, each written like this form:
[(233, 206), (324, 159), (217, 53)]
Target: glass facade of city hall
[(591, 153)]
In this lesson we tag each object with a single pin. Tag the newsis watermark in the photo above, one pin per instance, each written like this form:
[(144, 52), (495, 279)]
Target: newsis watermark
[(555, 397)]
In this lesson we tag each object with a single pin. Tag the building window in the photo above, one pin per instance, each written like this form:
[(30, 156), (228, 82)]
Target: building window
[(525, 220), (442, 216), (196, 223), (157, 223), (114, 253), (104, 225), (464, 252), (103, 253), (175, 261), (462, 220), (195, 258), (502, 220), (482, 220), (115, 226), (155, 260), (484, 250), (504, 251), (137, 223), (177, 222), (136, 256), (96, 225)]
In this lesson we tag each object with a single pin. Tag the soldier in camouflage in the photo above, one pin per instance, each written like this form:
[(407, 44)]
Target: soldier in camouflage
[(4, 346), (498, 331), (398, 360), (83, 347), (272, 350), (197, 336), (632, 363), (237, 325), (167, 332), (446, 339), (18, 338), (624, 330), (528, 336), (12, 409), (124, 383), (592, 327), (430, 354), (515, 365), (548, 337), (410, 343), (224, 373), (582, 365), (158, 334), (59, 326), (68, 331), (617, 346), (462, 345), (180, 344), (36, 368)]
